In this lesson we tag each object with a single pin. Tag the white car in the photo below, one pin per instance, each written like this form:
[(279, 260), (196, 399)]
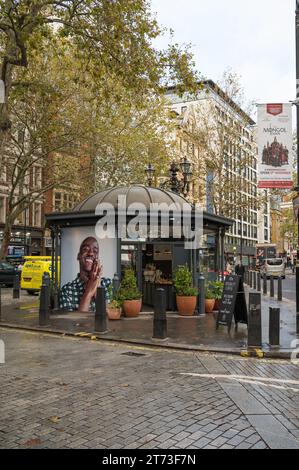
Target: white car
[(273, 267)]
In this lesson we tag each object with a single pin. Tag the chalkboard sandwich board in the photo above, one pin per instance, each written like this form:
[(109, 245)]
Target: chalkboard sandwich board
[(233, 302)]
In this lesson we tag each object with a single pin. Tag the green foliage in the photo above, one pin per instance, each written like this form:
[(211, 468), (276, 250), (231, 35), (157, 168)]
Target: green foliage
[(114, 304), (183, 282), (209, 294), (128, 287), (216, 288)]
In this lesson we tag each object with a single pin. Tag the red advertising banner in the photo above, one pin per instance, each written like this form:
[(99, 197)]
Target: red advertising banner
[(275, 145)]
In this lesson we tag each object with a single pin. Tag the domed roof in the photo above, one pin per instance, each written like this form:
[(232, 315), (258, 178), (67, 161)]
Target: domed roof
[(134, 193)]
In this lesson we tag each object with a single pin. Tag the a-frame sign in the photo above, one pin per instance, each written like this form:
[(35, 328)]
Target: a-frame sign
[(233, 302)]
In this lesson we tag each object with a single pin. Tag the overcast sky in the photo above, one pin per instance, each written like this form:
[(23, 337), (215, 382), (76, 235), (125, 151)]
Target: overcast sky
[(256, 38)]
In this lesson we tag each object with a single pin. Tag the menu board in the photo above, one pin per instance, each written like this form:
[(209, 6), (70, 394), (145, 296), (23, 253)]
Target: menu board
[(233, 302)]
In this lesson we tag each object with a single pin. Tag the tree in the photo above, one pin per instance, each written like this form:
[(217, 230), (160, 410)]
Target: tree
[(114, 37), (216, 135), (289, 228), (44, 148), (127, 136)]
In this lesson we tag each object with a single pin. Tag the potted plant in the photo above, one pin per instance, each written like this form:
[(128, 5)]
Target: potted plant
[(209, 300), (114, 305), (217, 289), (186, 294), (129, 295)]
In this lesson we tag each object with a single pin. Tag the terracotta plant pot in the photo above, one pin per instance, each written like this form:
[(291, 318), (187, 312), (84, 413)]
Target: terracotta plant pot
[(113, 313), (186, 305), (217, 305), (132, 308), (209, 305)]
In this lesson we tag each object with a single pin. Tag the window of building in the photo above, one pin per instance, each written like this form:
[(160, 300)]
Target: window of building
[(37, 214), (2, 209), (266, 234), (3, 176), (37, 177)]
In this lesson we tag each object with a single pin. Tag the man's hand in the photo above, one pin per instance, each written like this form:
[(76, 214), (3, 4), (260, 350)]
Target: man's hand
[(91, 287)]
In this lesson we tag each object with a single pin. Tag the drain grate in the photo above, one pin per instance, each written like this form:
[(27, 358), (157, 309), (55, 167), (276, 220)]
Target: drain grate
[(134, 354)]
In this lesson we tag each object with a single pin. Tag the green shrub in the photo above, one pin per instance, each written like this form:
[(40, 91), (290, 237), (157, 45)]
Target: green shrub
[(128, 289), (217, 288), (209, 294), (183, 282)]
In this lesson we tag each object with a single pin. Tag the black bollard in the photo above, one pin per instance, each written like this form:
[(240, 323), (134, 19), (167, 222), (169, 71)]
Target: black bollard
[(250, 278), (47, 282), (258, 281), (274, 326), (271, 286), (116, 284), (160, 320), (265, 284), (201, 295), (254, 321), (254, 280), (100, 323), (56, 298), (16, 287), (279, 289), (44, 306)]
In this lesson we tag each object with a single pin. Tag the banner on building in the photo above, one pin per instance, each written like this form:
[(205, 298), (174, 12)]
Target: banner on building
[(275, 146)]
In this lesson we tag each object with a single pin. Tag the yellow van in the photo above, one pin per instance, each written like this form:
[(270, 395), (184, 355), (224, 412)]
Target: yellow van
[(33, 270)]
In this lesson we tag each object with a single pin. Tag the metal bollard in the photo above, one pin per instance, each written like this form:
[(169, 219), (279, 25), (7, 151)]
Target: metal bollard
[(279, 289), (47, 282), (56, 298), (258, 282), (201, 295), (115, 283), (100, 323), (254, 321), (16, 287), (250, 278), (44, 306), (254, 280), (271, 286), (274, 326), (265, 286), (160, 320)]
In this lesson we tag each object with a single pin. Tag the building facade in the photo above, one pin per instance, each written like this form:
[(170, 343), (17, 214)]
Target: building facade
[(218, 137)]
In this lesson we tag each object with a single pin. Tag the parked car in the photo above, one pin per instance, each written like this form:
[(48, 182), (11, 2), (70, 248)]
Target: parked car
[(273, 267), (7, 273)]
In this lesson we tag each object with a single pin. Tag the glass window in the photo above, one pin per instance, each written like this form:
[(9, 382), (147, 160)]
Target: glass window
[(2, 209), (37, 214)]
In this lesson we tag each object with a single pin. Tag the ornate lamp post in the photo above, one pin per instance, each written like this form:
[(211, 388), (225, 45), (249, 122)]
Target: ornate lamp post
[(175, 184), (150, 172)]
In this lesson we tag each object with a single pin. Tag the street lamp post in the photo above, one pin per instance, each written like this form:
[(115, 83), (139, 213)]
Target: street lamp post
[(174, 183), (150, 172), (297, 188)]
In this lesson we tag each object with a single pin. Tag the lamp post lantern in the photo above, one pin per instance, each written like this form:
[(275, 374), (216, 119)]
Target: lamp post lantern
[(150, 172), (174, 183)]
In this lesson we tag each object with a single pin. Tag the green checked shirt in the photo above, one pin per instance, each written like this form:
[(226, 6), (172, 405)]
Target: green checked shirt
[(72, 292)]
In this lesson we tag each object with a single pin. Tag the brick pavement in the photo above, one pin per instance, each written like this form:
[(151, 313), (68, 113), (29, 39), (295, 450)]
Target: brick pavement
[(64, 392)]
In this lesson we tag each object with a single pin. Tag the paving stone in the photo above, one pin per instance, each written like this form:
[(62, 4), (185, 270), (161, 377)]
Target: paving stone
[(110, 402)]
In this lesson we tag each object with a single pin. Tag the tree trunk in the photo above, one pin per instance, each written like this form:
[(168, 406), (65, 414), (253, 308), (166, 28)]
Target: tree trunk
[(6, 239)]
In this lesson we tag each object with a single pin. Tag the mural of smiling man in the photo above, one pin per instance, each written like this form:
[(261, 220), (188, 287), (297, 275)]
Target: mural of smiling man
[(80, 294)]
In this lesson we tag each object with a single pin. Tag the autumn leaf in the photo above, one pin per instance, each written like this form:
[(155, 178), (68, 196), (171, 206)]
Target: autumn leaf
[(54, 419), (33, 442)]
